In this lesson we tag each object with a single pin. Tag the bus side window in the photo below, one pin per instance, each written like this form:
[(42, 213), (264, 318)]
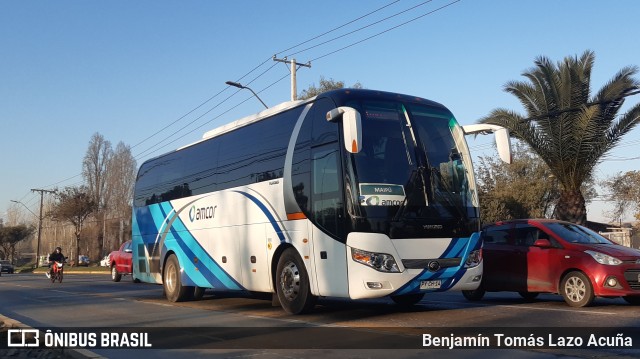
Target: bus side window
[(327, 206)]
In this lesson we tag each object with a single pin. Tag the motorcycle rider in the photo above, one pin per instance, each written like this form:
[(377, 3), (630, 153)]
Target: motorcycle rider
[(56, 256)]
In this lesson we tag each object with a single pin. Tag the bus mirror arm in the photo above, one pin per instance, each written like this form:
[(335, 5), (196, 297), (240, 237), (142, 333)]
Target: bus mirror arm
[(503, 141), (351, 127)]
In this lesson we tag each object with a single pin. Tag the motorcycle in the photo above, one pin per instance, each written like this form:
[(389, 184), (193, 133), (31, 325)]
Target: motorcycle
[(57, 273)]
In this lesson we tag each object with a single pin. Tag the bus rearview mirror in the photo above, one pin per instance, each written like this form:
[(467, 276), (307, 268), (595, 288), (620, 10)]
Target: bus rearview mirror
[(351, 127), (503, 141)]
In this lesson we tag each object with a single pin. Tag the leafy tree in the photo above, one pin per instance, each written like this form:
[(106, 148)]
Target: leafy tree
[(74, 205), (120, 180), (624, 189), (523, 189), (10, 236), (569, 129), (526, 188), (325, 85), (94, 168), (95, 171)]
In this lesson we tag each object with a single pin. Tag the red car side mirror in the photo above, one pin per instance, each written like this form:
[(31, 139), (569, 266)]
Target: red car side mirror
[(542, 243)]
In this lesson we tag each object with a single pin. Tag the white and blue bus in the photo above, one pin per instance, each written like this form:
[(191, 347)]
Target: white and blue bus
[(353, 194)]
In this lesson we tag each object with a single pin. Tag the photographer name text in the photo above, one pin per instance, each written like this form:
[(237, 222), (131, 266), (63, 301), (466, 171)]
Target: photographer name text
[(498, 340)]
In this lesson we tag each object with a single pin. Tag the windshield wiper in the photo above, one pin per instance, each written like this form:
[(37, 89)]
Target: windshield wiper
[(413, 182), (436, 176)]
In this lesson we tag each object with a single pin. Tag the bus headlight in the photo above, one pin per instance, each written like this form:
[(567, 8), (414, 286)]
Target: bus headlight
[(474, 259), (379, 261)]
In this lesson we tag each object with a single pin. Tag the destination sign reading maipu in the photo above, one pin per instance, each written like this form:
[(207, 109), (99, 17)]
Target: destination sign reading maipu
[(381, 194)]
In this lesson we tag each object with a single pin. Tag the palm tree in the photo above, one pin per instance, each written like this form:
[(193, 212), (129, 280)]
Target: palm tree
[(570, 129)]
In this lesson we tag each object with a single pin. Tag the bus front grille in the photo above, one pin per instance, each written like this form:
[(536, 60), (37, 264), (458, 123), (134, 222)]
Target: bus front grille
[(424, 263)]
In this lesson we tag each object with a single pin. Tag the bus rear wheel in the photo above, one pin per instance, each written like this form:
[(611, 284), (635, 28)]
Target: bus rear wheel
[(172, 284), (292, 283)]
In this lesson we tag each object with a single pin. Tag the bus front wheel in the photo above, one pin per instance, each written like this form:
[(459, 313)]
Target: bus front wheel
[(172, 284), (292, 283)]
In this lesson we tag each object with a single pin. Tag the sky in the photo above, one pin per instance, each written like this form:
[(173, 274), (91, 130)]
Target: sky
[(151, 74)]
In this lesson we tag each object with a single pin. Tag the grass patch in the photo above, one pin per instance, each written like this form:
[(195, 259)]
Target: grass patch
[(69, 269)]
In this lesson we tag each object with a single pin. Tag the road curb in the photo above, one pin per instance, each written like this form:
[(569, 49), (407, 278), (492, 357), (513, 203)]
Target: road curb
[(10, 323)]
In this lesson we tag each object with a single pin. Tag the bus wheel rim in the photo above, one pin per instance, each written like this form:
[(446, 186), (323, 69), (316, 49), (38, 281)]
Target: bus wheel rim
[(290, 281), (171, 278)]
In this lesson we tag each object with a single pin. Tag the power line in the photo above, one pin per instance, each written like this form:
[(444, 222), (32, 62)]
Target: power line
[(297, 45), (575, 109), (385, 31), (221, 114), (242, 77), (159, 143), (200, 105), (163, 141), (622, 159), (337, 28), (360, 29)]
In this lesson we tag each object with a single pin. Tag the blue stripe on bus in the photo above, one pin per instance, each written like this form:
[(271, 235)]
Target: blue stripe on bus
[(145, 225), (456, 247), (156, 218), (166, 208), (459, 247), (266, 212), (210, 270)]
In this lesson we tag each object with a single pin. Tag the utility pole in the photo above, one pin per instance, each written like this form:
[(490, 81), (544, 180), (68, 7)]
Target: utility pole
[(294, 67), (42, 192)]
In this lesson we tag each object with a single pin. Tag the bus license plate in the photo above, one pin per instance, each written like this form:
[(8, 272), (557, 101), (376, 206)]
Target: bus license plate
[(430, 284)]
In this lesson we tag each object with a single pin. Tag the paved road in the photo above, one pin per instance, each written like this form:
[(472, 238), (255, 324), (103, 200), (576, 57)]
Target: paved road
[(93, 301)]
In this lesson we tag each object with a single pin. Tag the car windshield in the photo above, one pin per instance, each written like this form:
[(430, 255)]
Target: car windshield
[(574, 233)]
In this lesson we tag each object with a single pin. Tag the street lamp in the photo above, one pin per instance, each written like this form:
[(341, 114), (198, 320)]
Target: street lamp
[(236, 84), (25, 206)]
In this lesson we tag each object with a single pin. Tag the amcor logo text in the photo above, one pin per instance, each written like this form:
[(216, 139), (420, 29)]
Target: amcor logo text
[(196, 214)]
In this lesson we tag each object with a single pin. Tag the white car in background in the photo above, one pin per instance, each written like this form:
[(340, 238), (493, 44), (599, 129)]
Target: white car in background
[(105, 261)]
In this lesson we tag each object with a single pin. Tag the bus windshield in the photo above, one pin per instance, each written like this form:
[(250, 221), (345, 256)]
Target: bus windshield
[(414, 164)]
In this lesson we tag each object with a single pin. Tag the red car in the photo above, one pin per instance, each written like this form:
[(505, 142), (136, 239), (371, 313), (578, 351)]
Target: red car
[(548, 256), (120, 261)]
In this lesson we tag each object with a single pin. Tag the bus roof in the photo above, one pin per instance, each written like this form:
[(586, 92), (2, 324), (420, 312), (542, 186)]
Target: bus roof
[(339, 96), (252, 118)]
